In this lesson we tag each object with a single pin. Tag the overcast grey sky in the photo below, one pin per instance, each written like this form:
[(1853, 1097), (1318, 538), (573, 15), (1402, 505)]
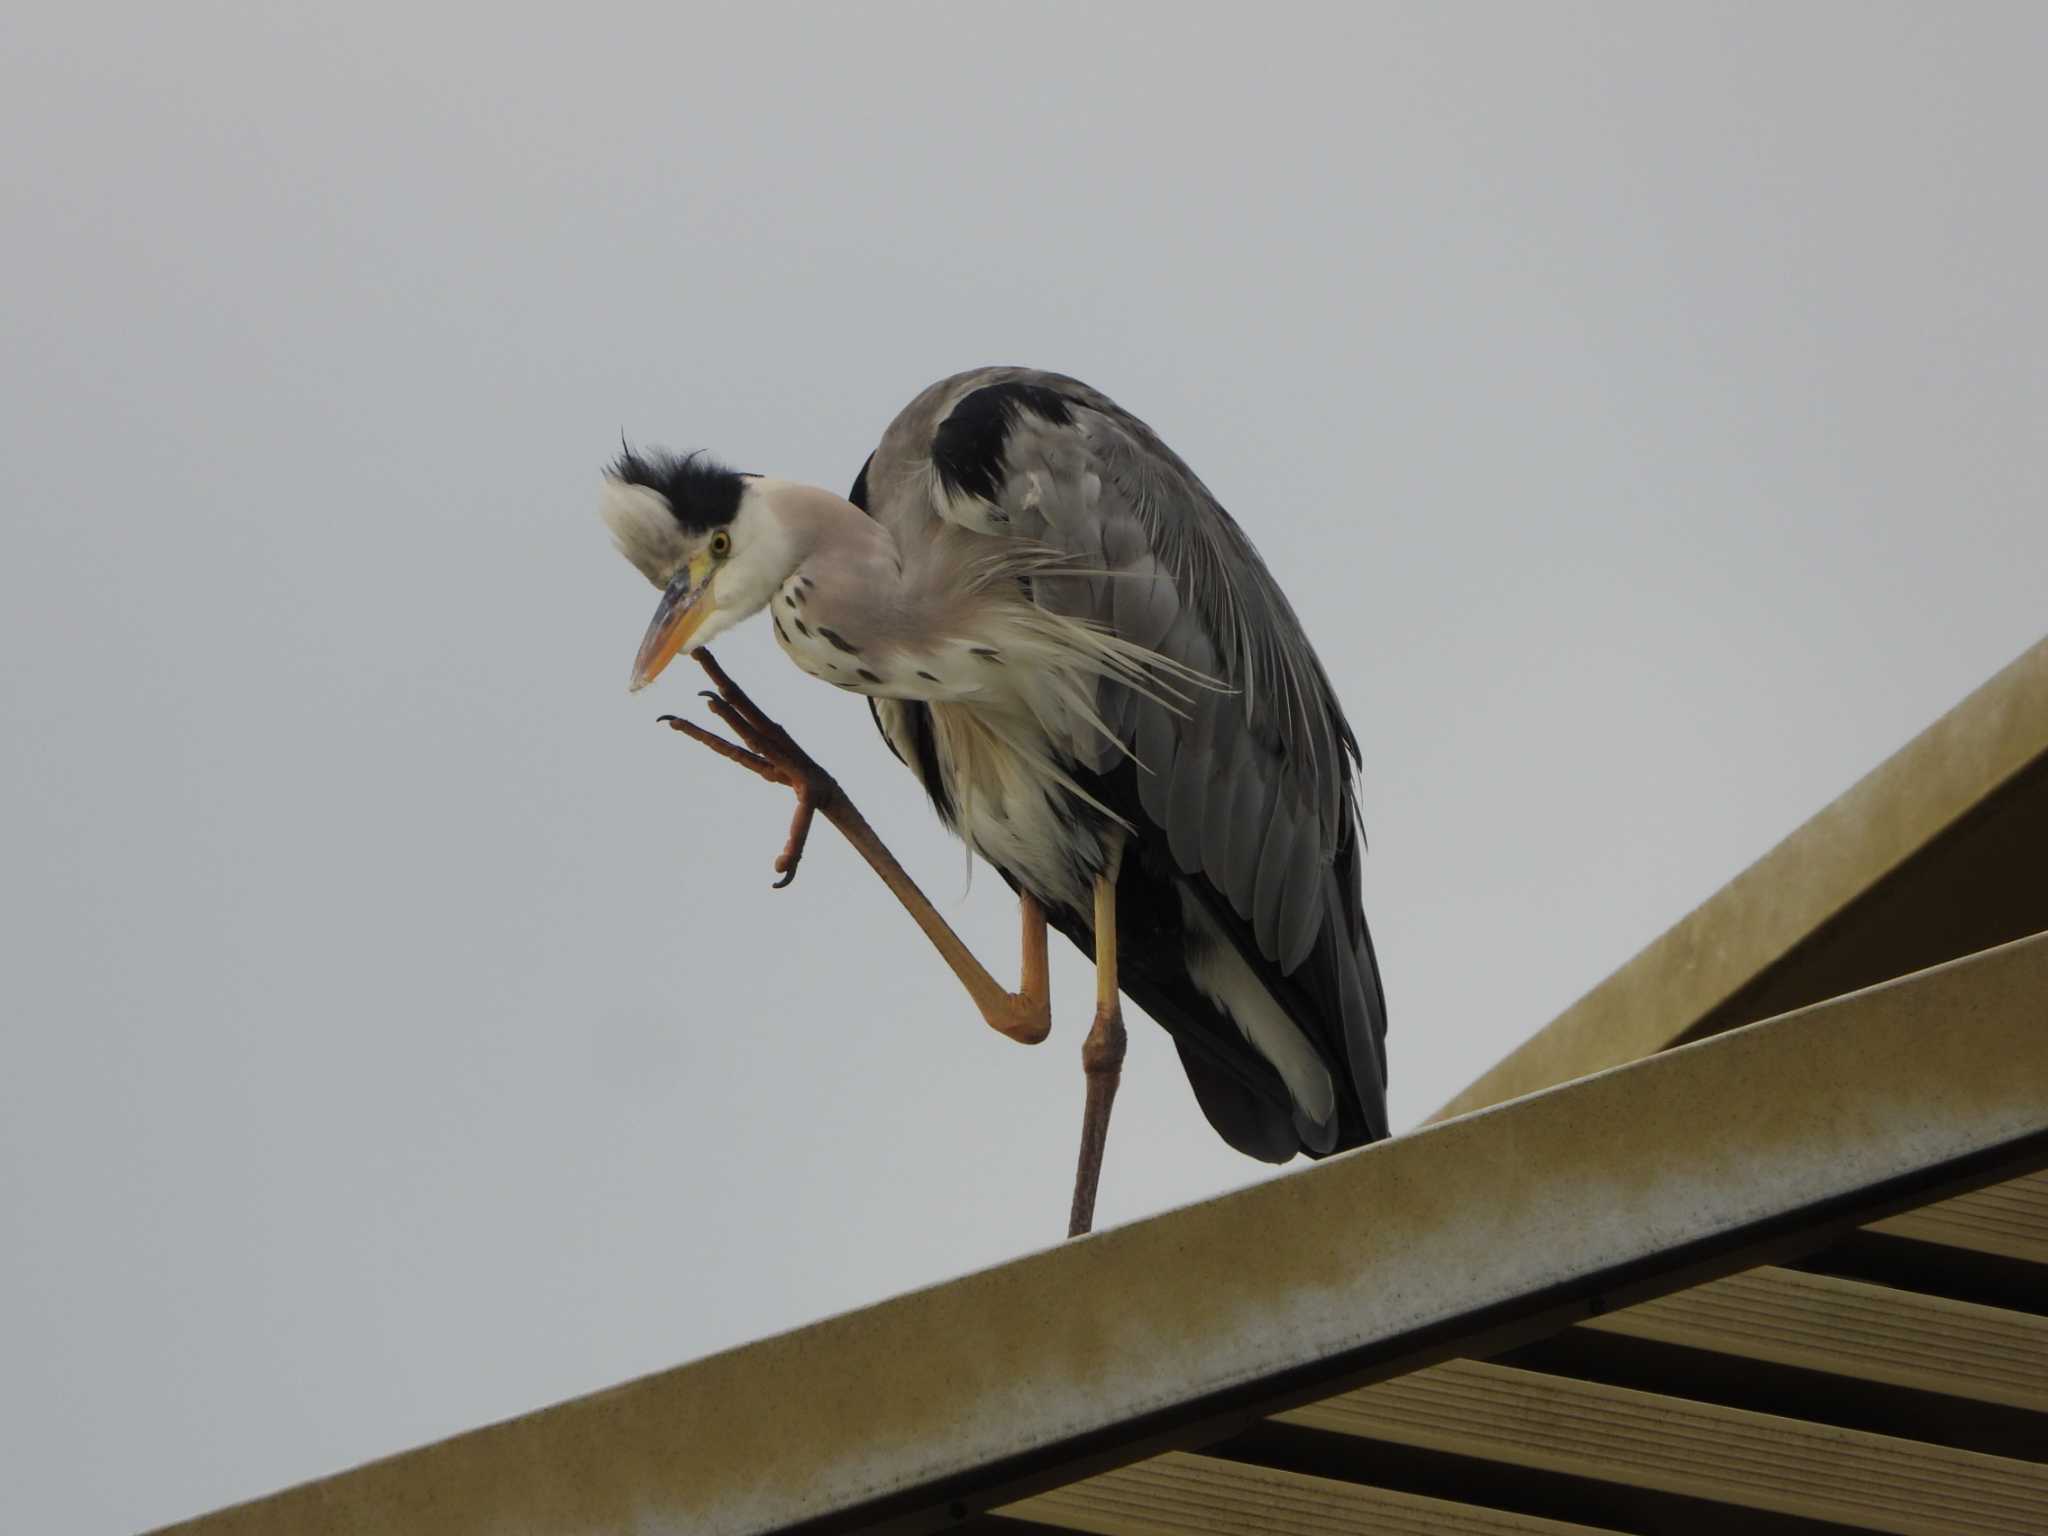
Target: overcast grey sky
[(1642, 406)]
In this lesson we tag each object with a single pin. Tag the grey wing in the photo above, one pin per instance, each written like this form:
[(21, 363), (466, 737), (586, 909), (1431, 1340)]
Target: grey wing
[(1253, 784)]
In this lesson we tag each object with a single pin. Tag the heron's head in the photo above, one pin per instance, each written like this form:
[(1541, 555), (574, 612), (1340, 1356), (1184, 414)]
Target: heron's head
[(709, 537)]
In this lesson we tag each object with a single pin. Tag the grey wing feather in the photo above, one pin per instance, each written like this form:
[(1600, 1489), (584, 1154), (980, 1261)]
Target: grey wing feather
[(1102, 487), (1253, 787)]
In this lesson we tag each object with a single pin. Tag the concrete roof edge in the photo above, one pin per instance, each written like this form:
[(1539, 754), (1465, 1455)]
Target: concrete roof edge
[(1912, 798), (1364, 1264)]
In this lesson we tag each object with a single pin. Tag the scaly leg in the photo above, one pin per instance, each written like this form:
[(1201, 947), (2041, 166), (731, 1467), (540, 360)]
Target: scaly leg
[(1102, 1053), (1024, 1015)]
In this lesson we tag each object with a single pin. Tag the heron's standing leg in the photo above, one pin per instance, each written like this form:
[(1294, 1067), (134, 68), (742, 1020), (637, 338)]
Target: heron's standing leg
[(1024, 1015), (1102, 1053)]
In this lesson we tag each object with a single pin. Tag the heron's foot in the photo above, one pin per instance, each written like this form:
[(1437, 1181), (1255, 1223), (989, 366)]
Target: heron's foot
[(767, 749)]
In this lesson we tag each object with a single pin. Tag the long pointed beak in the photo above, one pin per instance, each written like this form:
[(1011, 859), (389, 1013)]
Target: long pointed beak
[(682, 611)]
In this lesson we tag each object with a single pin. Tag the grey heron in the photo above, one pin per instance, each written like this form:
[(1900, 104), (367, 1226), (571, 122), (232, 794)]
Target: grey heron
[(1102, 690)]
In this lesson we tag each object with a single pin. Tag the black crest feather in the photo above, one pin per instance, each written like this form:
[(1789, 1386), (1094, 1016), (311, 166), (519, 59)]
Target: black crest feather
[(701, 492)]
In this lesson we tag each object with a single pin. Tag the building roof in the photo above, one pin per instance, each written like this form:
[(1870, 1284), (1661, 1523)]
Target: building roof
[(1793, 1272), (1934, 853)]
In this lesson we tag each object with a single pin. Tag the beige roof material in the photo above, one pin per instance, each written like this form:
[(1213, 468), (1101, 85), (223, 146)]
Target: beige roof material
[(1458, 1239)]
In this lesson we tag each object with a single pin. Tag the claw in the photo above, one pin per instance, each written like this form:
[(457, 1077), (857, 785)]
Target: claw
[(799, 833), (768, 750)]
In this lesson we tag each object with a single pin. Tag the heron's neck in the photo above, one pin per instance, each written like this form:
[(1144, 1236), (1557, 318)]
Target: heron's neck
[(853, 609), (828, 535), (836, 554)]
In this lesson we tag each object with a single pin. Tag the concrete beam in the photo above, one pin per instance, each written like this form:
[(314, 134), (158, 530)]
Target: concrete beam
[(1458, 1239)]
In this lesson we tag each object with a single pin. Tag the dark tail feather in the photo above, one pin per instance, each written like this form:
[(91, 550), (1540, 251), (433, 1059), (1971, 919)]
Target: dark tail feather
[(1250, 1123)]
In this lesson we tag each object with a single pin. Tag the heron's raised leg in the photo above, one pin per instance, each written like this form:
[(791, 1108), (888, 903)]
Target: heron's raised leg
[(1024, 1015), (1102, 1053)]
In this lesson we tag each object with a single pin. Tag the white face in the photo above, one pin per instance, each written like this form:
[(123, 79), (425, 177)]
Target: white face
[(761, 556), (712, 579)]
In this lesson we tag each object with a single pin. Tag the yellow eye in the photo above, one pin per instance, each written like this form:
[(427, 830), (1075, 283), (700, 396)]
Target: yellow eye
[(721, 544)]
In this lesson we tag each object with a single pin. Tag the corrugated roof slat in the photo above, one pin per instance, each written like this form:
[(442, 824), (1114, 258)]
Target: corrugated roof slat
[(2008, 1220), (1698, 1450), (1185, 1495), (1848, 1328)]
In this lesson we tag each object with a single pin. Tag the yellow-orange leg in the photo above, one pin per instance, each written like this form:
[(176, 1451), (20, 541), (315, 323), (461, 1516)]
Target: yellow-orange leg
[(1102, 1053), (1024, 1015)]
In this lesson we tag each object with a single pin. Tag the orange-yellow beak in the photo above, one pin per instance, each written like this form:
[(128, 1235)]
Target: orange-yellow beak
[(682, 611)]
